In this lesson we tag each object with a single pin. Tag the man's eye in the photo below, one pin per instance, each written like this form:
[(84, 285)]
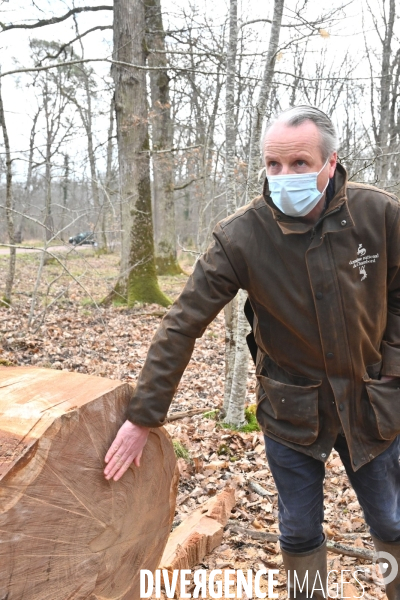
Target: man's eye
[(300, 163), (272, 163)]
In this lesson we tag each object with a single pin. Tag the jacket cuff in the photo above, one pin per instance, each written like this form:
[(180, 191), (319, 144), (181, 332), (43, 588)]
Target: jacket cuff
[(137, 417), (390, 360)]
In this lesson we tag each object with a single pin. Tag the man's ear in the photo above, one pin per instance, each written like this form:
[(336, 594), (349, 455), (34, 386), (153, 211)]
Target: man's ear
[(332, 164)]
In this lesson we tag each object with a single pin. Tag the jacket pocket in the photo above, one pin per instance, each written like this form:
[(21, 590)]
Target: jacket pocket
[(384, 397), (289, 411)]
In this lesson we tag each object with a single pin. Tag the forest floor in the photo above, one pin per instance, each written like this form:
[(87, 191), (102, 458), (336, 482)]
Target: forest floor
[(75, 334)]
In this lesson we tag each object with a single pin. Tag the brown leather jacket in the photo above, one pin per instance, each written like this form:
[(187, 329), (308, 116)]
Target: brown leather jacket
[(326, 300)]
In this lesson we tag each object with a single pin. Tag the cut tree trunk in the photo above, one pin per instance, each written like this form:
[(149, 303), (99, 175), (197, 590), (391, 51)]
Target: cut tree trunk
[(66, 532)]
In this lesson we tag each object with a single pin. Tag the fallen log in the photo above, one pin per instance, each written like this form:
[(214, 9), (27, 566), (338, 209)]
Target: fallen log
[(199, 533), (66, 532)]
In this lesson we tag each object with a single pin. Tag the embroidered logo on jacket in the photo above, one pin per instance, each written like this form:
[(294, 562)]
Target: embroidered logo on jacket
[(362, 260)]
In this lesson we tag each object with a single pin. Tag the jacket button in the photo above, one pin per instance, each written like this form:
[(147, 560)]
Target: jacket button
[(341, 406), (319, 295), (283, 400), (323, 455), (329, 355), (343, 223)]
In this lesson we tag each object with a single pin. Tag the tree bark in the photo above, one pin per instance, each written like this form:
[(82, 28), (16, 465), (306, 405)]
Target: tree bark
[(9, 207), (162, 143), (48, 217), (259, 110), (65, 189), (234, 407), (383, 164), (66, 531), (237, 353), (234, 395), (107, 190), (138, 279)]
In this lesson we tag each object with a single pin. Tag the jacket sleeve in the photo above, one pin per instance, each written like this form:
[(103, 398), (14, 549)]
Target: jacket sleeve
[(212, 284), (391, 339)]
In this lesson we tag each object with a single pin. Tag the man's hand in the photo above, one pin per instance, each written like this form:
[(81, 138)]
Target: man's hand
[(125, 449)]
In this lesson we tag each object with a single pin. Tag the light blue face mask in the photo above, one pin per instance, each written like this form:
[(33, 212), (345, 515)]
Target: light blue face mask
[(296, 194)]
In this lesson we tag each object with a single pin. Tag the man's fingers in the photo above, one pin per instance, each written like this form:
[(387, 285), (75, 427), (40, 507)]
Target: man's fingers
[(137, 459), (122, 470), (127, 447), (115, 446), (115, 463)]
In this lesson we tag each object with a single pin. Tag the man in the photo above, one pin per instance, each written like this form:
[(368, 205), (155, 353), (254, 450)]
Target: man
[(320, 259)]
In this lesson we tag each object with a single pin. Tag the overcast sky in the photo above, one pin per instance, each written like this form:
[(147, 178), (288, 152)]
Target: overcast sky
[(346, 35)]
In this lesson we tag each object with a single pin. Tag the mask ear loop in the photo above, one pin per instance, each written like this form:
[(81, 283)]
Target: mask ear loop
[(320, 171), (323, 166)]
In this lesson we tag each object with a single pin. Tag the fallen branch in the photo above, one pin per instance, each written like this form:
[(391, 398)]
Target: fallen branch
[(334, 547), (260, 490), (186, 413), (337, 548), (252, 533)]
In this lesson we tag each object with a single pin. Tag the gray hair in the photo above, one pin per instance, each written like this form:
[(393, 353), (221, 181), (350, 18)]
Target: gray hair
[(292, 117)]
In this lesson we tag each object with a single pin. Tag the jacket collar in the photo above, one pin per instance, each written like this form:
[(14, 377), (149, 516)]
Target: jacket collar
[(337, 206)]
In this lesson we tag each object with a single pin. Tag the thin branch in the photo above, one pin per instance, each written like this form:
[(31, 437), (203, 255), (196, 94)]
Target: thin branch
[(185, 185), (79, 37), (53, 20)]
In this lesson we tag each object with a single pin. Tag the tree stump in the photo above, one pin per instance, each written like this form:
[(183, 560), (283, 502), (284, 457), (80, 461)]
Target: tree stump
[(65, 532)]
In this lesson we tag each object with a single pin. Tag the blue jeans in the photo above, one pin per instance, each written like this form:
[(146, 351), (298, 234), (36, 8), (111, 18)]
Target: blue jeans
[(299, 481)]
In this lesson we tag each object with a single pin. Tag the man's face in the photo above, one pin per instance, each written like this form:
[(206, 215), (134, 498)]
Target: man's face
[(289, 150)]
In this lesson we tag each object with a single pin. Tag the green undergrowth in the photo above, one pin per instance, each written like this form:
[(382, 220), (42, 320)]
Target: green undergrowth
[(180, 450), (250, 416)]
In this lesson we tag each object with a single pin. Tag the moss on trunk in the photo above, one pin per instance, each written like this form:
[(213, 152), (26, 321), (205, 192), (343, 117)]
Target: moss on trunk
[(168, 265), (145, 288)]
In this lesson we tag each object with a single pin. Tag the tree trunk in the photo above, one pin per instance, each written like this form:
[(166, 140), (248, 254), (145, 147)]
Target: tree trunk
[(237, 353), (258, 113), (48, 217), (162, 143), (230, 314), (138, 279), (383, 164), (233, 404), (29, 175), (234, 408), (107, 191), (65, 187), (9, 207), (66, 531)]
